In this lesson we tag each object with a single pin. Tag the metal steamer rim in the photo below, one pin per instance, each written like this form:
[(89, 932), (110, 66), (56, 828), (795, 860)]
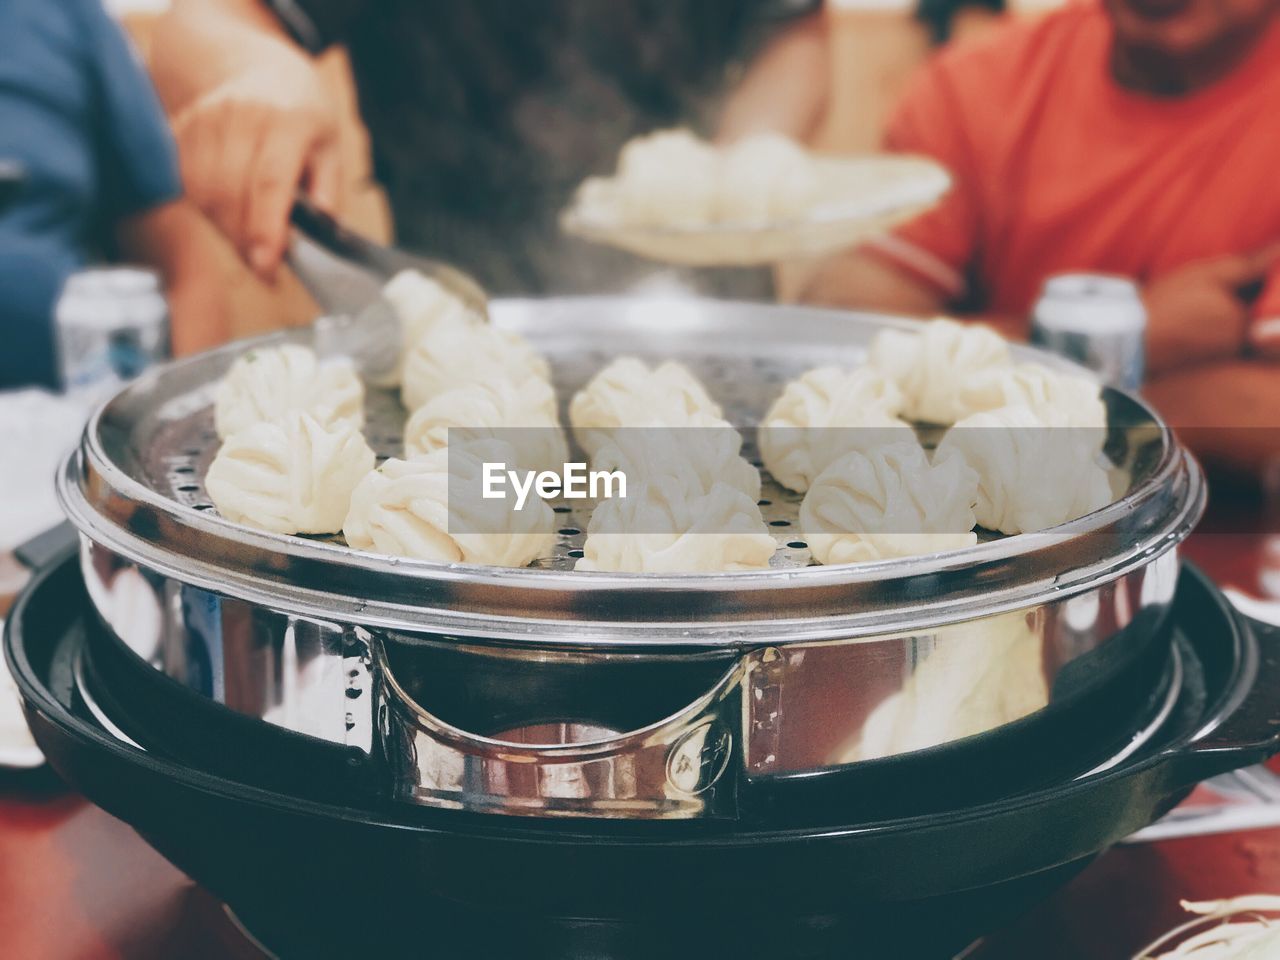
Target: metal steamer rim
[(135, 486)]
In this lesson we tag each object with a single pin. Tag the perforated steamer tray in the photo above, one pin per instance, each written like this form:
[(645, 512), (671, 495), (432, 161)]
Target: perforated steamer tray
[(179, 458), (136, 486)]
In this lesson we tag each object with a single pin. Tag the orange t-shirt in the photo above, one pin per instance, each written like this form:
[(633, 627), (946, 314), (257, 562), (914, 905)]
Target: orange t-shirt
[(1059, 169)]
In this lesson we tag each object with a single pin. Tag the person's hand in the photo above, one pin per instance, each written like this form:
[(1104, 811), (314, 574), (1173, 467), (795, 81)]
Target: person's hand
[(1202, 311), (1264, 337), (1264, 331), (251, 142)]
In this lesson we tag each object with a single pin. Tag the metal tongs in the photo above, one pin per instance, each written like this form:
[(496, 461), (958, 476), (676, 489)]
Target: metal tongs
[(345, 273)]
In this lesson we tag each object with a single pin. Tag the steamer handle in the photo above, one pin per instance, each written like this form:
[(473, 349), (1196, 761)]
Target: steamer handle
[(1251, 734), (45, 549)]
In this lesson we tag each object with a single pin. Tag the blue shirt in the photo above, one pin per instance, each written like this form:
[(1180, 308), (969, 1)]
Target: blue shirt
[(79, 116)]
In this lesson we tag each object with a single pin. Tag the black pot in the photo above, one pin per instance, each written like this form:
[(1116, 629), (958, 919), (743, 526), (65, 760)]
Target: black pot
[(366, 877)]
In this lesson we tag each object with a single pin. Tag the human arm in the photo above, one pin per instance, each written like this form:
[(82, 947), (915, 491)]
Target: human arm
[(1264, 327), (140, 213), (866, 281), (785, 88), (168, 239), (252, 118), (1226, 411), (924, 265), (198, 45), (861, 279), (1200, 313)]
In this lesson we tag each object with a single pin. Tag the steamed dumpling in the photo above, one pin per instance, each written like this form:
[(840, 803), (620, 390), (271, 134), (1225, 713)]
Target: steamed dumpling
[(699, 456), (290, 475), (404, 509), (672, 178), (667, 178), (1030, 477), (765, 178), (1059, 399), (825, 414), (659, 528), (946, 371), (271, 382), (628, 393), (422, 304), (889, 502), (523, 414), (456, 352)]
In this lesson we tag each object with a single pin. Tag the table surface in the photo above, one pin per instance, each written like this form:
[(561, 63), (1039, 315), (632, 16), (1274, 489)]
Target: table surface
[(77, 883)]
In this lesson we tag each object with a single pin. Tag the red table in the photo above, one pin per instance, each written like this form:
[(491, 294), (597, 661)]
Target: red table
[(76, 883)]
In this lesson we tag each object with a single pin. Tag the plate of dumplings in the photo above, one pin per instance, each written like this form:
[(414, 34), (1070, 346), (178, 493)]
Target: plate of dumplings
[(764, 199), (936, 440)]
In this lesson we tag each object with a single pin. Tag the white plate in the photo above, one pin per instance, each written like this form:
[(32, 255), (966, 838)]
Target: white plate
[(863, 196)]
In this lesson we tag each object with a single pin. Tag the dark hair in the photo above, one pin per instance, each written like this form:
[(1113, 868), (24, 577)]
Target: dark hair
[(937, 15)]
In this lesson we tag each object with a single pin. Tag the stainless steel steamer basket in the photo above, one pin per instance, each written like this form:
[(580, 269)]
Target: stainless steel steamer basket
[(548, 692)]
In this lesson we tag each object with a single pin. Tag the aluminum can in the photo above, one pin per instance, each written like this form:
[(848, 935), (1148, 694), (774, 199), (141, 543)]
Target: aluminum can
[(112, 323), (1097, 320)]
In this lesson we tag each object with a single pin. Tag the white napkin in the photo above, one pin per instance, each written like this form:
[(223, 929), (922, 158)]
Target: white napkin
[(37, 430), (17, 749)]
